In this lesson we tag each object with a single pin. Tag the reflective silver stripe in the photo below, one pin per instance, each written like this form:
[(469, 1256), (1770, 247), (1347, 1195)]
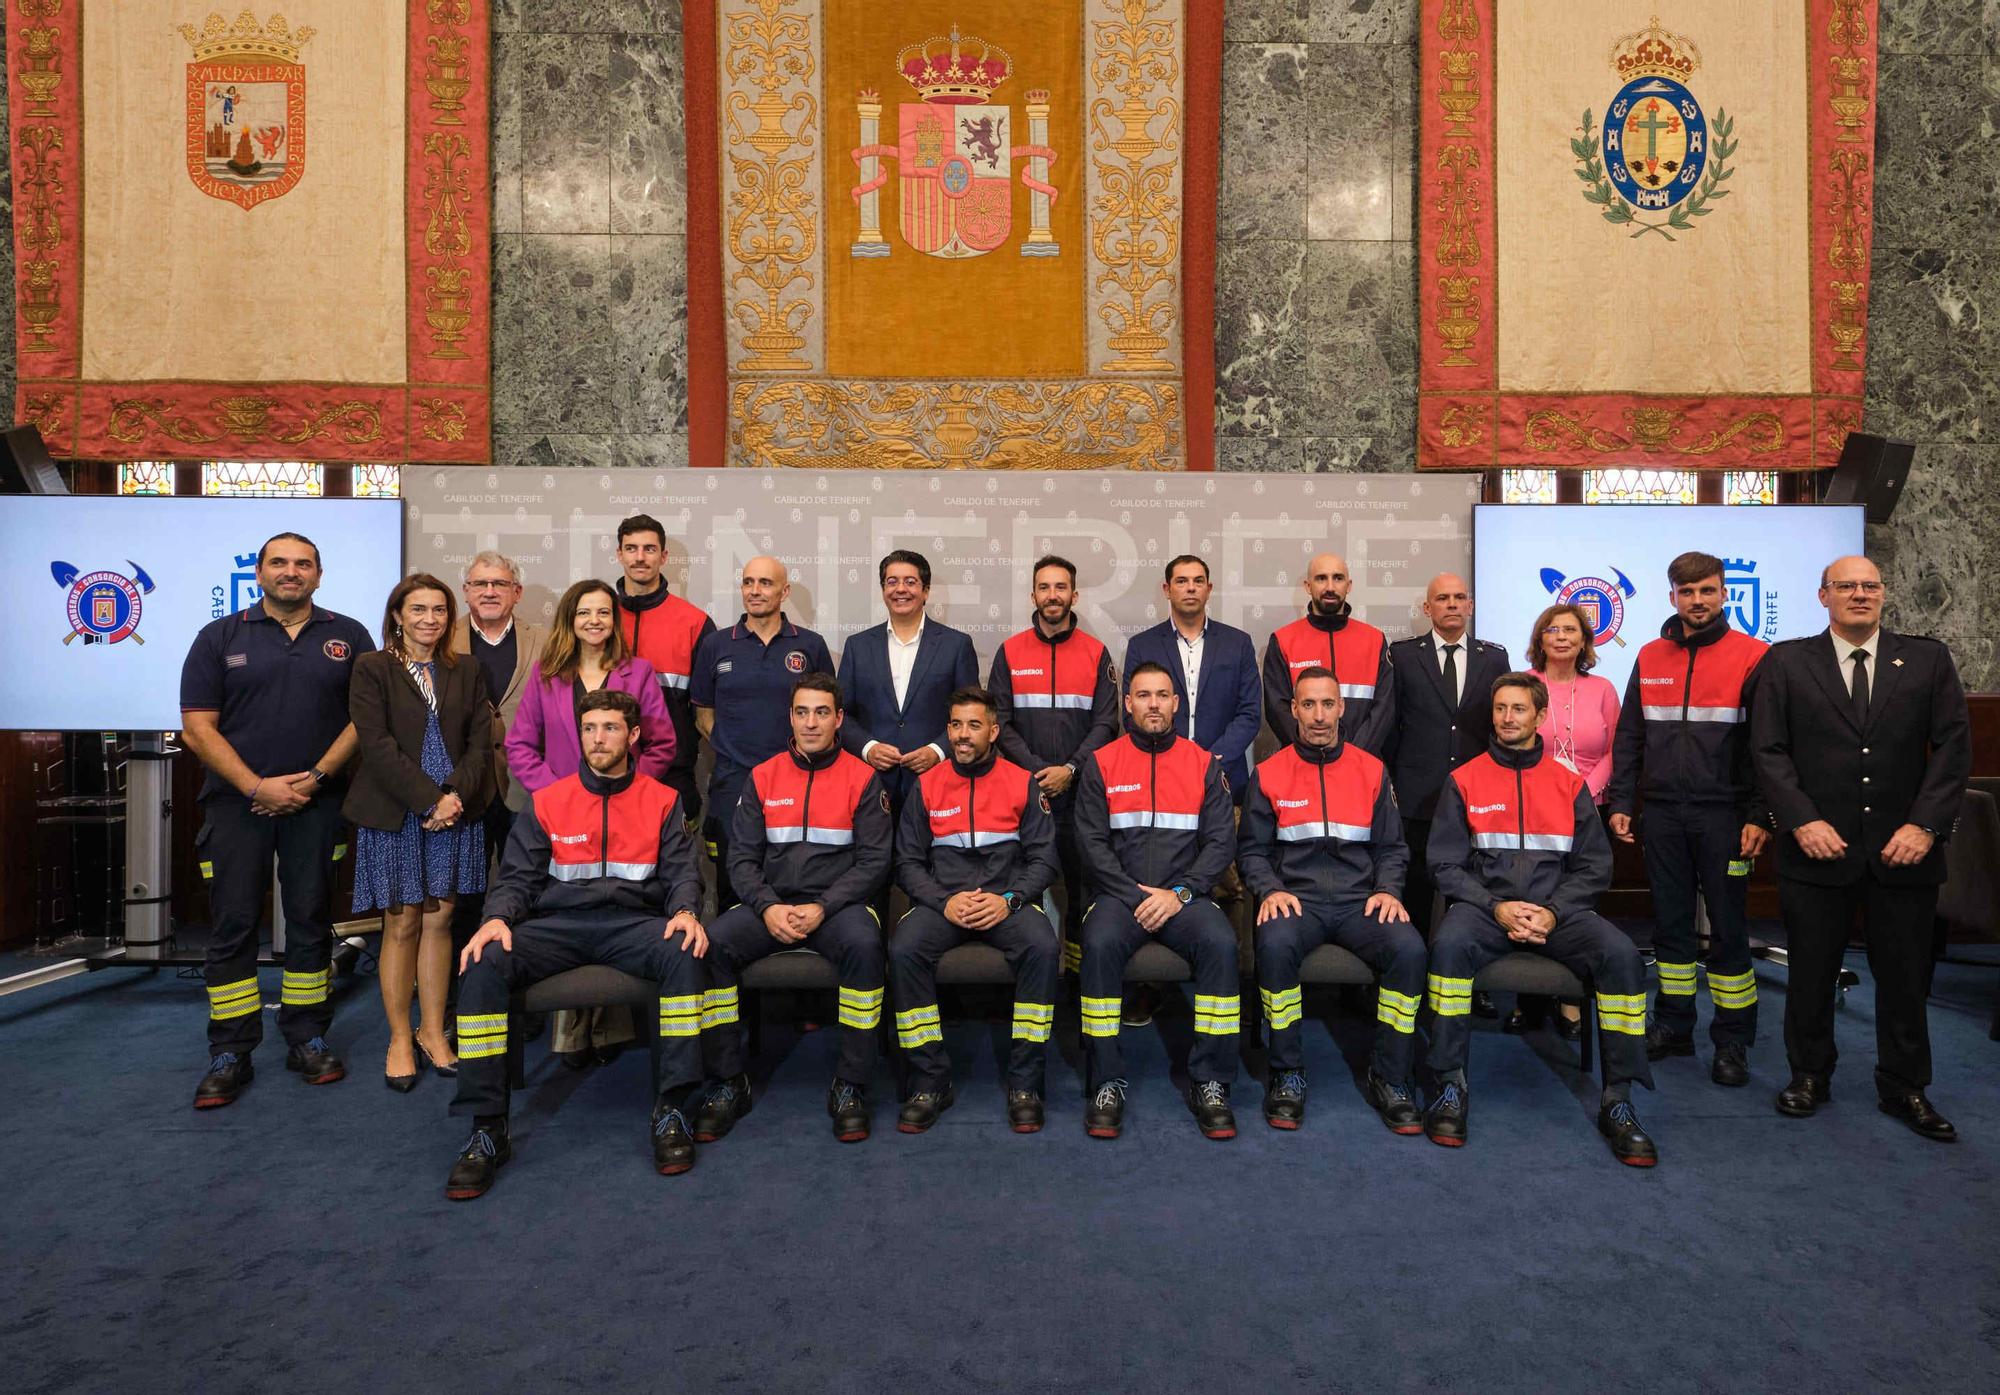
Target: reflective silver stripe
[(1357, 690), (1154, 820), (1346, 832), (1032, 700), (1534, 842), (973, 840), (1072, 700), (839, 837), (1728, 715), (586, 871), (673, 680)]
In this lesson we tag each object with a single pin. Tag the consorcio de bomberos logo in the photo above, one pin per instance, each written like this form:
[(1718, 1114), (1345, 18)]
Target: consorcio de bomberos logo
[(103, 607)]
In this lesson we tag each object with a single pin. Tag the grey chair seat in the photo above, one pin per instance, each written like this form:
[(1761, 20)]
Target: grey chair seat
[(976, 963), (592, 985), (1155, 963), (1519, 971), (791, 969), (1332, 964)]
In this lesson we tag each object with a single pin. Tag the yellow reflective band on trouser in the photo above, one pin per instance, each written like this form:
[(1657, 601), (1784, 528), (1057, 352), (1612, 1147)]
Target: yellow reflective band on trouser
[(1399, 1010), (482, 1034), (1733, 990), (1100, 1016), (1677, 980), (861, 1008), (718, 1007), (1622, 1012), (1032, 1021), (681, 1016), (1072, 956), (1283, 1008), (304, 990), (1217, 1016), (1450, 997), (918, 1025), (238, 999)]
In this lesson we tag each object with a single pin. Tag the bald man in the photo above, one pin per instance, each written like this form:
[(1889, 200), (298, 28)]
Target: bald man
[(1329, 636), (742, 686), (1863, 745), (1444, 717)]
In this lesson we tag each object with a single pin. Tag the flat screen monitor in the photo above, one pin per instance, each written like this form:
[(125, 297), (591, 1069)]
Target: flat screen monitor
[(105, 594), (1611, 560)]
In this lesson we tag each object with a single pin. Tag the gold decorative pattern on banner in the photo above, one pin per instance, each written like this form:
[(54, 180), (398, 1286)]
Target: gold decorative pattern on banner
[(39, 231), (1652, 429), (1457, 167), (439, 419), (247, 418), (1850, 163), (446, 193), (1135, 225), (818, 424), (1459, 427), (445, 68), (772, 223), (47, 411)]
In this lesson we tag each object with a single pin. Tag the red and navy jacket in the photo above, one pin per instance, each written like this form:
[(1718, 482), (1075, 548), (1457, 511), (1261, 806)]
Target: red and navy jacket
[(588, 843), (664, 630), (1684, 732), (1519, 826), (1358, 654), (980, 827), (1058, 697), (1153, 811), (1321, 823), (810, 829)]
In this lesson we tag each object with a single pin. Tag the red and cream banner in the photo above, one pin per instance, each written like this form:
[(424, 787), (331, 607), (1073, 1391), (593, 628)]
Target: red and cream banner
[(1643, 242), (250, 238)]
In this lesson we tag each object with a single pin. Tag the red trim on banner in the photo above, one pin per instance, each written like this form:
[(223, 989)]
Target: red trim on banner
[(1457, 253), (1840, 62), (1199, 174), (45, 115), (708, 338)]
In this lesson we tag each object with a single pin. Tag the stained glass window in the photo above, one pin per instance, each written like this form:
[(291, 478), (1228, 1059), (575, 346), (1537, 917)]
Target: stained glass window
[(146, 477), (1527, 486), (1638, 486), (378, 481), (290, 479), (1750, 487)]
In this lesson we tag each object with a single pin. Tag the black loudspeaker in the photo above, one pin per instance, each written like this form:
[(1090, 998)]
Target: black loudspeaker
[(25, 466), (1871, 472)]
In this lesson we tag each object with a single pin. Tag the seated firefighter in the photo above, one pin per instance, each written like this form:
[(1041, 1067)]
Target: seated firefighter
[(1518, 849), (599, 869), (975, 852)]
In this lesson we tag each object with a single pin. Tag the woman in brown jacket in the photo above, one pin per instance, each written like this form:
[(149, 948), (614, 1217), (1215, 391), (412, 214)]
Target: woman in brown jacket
[(425, 774)]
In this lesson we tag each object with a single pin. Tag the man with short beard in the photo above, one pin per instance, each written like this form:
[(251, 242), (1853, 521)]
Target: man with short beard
[(1330, 636)]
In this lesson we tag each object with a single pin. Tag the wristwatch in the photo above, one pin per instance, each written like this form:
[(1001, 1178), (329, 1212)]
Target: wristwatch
[(1012, 898), (1185, 895), (319, 776)]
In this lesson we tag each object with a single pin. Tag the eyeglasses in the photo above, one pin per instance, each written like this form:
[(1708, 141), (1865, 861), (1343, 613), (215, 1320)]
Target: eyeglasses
[(1558, 631), (489, 585), (1850, 588)]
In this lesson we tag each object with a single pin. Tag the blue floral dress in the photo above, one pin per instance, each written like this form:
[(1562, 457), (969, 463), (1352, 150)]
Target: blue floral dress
[(411, 866)]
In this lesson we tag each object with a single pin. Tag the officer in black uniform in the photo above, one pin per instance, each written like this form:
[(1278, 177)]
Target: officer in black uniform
[(264, 706)]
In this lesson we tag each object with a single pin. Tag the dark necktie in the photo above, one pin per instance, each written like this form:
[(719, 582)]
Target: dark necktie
[(1451, 672), (1860, 660)]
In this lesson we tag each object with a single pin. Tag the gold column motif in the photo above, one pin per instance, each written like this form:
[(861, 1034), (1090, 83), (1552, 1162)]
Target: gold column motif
[(1851, 163), (1135, 223), (772, 224), (1458, 169), (446, 194), (40, 231), (869, 242)]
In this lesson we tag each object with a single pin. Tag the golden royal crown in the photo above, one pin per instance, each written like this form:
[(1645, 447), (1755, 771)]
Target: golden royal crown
[(246, 39), (1653, 52), (946, 69)]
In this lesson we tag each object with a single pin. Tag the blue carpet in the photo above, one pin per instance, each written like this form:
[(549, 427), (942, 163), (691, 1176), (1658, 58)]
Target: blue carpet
[(299, 1239)]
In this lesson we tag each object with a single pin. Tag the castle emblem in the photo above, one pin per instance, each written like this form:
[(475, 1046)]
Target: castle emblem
[(1658, 163), (246, 108), (955, 156), (103, 607)]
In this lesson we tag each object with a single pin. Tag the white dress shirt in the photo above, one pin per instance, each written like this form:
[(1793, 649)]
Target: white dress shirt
[(1191, 664), (1844, 651), (903, 663), (1464, 643)]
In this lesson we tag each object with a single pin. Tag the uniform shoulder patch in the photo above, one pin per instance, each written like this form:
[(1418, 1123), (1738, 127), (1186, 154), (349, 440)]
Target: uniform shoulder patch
[(883, 795), (1043, 799)]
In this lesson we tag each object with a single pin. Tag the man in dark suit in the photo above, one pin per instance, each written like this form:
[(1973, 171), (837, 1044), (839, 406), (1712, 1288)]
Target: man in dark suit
[(1214, 668), (1863, 745), (1444, 717)]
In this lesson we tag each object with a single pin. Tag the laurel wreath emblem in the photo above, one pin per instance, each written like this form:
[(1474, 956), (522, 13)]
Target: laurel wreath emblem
[(1598, 189)]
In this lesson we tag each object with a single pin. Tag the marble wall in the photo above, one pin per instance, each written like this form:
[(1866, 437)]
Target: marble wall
[(1316, 277)]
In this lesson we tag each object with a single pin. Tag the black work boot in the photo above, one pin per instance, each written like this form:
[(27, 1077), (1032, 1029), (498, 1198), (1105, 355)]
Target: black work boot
[(1445, 1120), (1106, 1115), (1208, 1101), (847, 1106), (922, 1109), (722, 1104), (1024, 1111), (1285, 1099), (228, 1075), (1732, 1065), (1393, 1103), (483, 1155), (1619, 1122), (673, 1141), (315, 1062)]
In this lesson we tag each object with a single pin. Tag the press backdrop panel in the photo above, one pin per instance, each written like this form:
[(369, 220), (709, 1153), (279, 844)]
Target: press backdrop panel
[(982, 531)]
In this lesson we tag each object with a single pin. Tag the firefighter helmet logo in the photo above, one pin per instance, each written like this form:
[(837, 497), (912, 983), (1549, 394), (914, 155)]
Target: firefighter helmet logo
[(337, 650)]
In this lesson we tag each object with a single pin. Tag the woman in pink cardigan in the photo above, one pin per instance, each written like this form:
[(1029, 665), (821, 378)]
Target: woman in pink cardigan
[(1582, 720), (586, 651)]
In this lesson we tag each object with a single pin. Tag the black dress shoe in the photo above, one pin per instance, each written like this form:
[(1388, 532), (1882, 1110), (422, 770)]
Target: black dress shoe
[(1285, 1099), (426, 1062), (583, 1058), (315, 1061), (722, 1104), (1661, 1043), (1520, 1022), (1445, 1120), (1024, 1111), (1208, 1101), (922, 1109), (1920, 1114), (1568, 1028), (228, 1074), (1482, 1004), (1806, 1093), (1393, 1103), (1732, 1066), (673, 1144), (1620, 1124), (484, 1153), (847, 1106), (1106, 1115)]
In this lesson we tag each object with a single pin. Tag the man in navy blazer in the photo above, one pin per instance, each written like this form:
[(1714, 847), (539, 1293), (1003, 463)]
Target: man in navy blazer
[(1222, 707), (897, 678)]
